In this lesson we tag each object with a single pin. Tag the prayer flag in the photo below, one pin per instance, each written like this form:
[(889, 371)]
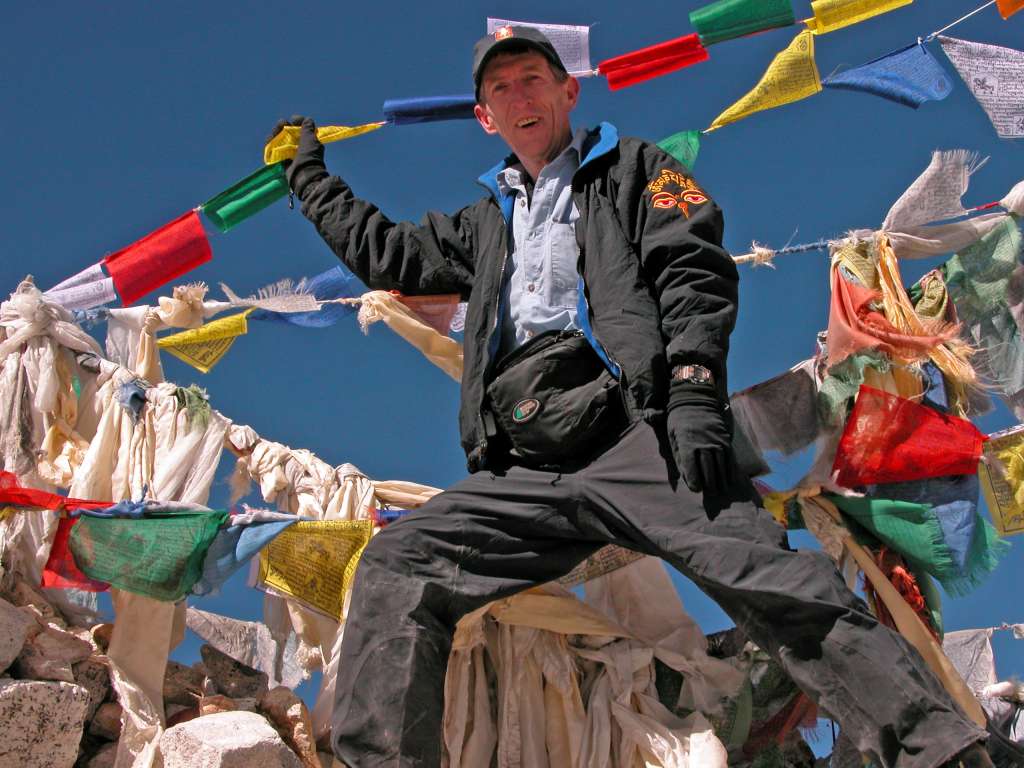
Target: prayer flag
[(571, 43), (159, 555), (646, 63), (315, 562), (936, 193), (436, 311), (791, 76), (286, 143), (830, 15), (995, 75), (336, 283), (60, 571), (11, 493), (909, 76), (1002, 479), (247, 197), (232, 548), (726, 19), (914, 531), (429, 109), (203, 347), (683, 146), (1009, 7), (889, 439), (159, 257)]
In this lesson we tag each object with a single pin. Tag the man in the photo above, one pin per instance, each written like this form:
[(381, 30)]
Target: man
[(593, 411)]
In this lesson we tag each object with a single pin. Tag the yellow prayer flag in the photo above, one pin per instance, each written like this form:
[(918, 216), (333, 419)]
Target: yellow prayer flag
[(791, 76), (830, 15), (1001, 472), (285, 144), (203, 347), (315, 562)]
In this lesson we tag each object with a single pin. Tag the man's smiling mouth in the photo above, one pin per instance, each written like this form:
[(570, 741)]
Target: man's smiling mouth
[(526, 122)]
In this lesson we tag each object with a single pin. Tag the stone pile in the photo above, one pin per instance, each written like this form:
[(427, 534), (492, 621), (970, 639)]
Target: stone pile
[(58, 708)]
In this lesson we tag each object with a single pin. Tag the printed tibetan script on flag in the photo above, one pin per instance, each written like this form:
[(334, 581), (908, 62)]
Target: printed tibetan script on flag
[(571, 42), (791, 76), (995, 75)]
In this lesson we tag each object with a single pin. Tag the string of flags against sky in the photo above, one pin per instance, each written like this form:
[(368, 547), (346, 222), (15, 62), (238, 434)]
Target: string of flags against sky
[(910, 76)]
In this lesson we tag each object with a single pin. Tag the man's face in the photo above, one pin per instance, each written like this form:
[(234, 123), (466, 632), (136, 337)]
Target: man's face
[(522, 101)]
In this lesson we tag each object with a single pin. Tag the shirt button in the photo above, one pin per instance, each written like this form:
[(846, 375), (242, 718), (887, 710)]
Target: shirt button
[(531, 288), (529, 334), (522, 202)]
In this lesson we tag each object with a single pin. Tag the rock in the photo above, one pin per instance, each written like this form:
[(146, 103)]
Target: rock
[(104, 758), (182, 685), (178, 714), (106, 723), (232, 678), (41, 722), (101, 635), (50, 654), (289, 715), (226, 740), (215, 703), (14, 631), (327, 760), (24, 594), (94, 676)]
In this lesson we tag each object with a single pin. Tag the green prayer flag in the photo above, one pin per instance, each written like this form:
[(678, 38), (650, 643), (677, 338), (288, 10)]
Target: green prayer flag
[(160, 555), (726, 19), (247, 198), (683, 146), (914, 531)]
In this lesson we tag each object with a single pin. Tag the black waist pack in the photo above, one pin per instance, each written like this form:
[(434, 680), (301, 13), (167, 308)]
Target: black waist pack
[(553, 399)]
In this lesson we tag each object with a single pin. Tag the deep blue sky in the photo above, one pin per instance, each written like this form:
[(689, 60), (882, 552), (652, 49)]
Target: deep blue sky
[(118, 117)]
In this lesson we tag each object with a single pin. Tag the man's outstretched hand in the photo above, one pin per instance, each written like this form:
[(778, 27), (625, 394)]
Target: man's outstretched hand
[(700, 437), (308, 165)]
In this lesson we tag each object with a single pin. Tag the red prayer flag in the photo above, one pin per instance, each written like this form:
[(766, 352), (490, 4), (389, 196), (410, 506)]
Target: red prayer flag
[(889, 439), (1009, 7), (61, 570), (436, 311), (15, 495), (632, 68), (159, 257)]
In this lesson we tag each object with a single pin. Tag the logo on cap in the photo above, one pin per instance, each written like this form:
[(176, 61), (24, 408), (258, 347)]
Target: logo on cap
[(501, 33)]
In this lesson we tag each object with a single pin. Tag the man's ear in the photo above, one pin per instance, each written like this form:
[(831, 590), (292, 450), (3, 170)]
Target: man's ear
[(483, 116), (573, 91)]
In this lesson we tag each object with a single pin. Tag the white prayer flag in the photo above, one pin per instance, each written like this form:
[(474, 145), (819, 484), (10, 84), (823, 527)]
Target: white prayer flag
[(571, 42), (995, 75), (936, 193), (84, 295), (87, 275)]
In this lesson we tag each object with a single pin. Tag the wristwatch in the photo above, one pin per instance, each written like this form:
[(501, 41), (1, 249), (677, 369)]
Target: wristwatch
[(692, 374)]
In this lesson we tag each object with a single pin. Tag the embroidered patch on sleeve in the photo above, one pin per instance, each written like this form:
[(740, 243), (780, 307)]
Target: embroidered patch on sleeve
[(674, 190)]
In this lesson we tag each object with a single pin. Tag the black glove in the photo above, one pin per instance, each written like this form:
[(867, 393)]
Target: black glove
[(701, 439), (308, 165)]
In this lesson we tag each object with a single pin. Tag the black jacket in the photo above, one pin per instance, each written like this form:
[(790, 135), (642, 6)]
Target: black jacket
[(657, 288)]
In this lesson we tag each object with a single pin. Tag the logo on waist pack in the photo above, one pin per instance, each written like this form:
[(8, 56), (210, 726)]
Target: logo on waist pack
[(525, 410)]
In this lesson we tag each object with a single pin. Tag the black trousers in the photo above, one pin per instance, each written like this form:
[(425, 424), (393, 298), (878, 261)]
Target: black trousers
[(498, 533)]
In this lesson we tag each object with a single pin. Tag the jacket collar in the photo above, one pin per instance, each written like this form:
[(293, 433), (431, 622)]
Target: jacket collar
[(598, 143)]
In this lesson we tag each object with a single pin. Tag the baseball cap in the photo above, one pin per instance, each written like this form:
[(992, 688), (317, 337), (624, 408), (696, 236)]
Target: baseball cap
[(509, 37)]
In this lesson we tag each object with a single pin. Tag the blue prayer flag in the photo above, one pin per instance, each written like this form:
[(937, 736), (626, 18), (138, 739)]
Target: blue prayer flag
[(336, 283), (427, 109), (909, 76), (233, 548)]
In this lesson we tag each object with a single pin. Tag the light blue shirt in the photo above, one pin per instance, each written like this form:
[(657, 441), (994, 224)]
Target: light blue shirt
[(541, 280)]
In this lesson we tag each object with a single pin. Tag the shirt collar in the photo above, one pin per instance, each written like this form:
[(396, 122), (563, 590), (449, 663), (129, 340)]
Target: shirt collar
[(514, 176)]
